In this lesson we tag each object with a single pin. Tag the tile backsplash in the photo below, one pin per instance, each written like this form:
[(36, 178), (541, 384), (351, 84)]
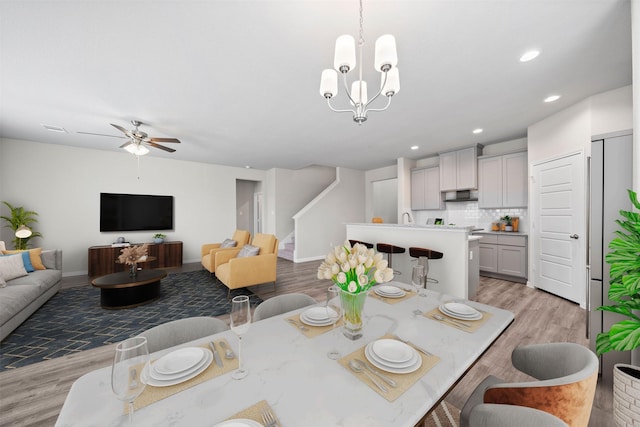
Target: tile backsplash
[(468, 213)]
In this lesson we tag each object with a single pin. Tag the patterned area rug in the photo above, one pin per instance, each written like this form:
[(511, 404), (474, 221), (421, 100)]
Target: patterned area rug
[(73, 321), (444, 415)]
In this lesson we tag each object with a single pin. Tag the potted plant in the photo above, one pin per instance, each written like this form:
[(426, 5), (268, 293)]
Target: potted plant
[(624, 291), (507, 223), (20, 217), (159, 238)]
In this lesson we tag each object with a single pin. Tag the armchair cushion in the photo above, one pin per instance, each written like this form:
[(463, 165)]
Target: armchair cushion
[(238, 272), (248, 250), (228, 243)]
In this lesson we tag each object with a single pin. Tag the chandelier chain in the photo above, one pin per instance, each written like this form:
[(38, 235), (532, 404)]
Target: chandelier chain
[(361, 39)]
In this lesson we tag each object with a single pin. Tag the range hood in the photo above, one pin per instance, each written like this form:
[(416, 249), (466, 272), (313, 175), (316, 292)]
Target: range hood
[(461, 196)]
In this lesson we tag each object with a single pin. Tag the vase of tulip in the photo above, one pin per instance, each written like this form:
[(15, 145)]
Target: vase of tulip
[(354, 270)]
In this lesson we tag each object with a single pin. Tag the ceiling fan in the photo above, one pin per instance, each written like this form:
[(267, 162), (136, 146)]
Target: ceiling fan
[(138, 140)]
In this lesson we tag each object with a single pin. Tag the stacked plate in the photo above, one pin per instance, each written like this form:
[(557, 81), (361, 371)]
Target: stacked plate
[(239, 423), (389, 291), (179, 366), (460, 311), (316, 316), (393, 356)]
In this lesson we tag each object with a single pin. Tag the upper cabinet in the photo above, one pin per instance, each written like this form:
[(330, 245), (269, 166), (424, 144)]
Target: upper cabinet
[(458, 169), (425, 189), (502, 181)]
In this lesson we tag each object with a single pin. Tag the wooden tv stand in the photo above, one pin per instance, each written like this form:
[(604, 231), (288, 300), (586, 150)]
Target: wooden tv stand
[(103, 259)]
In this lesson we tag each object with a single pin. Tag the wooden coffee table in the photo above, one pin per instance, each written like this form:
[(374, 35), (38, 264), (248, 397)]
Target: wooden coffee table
[(120, 290)]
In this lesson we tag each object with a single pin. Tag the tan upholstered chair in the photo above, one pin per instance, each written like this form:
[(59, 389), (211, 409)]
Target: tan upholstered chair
[(237, 272), (566, 376), (209, 250)]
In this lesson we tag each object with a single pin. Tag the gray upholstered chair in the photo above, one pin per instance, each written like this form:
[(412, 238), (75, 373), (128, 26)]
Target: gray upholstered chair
[(281, 304), (566, 376), (181, 331), (492, 415)]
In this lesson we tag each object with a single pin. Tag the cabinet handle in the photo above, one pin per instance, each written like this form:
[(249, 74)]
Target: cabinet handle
[(574, 236)]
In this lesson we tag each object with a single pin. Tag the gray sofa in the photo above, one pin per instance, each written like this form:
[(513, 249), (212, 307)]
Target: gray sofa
[(24, 295)]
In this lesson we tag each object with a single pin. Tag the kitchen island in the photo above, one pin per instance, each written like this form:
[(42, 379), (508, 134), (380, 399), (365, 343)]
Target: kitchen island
[(457, 272)]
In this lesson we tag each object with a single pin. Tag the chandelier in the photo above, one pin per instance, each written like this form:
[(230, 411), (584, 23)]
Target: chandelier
[(385, 62)]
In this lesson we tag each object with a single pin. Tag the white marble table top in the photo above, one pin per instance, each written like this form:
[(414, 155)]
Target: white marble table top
[(301, 384)]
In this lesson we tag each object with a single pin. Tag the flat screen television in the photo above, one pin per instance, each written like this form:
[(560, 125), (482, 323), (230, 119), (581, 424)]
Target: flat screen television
[(135, 212)]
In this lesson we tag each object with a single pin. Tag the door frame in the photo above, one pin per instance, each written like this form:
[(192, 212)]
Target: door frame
[(534, 260)]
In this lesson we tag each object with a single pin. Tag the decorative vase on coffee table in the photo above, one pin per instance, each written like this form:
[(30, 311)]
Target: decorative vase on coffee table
[(133, 269), (352, 307)]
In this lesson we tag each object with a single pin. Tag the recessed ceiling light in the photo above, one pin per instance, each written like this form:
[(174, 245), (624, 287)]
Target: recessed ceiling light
[(54, 128), (247, 167), (414, 147), (552, 98), (479, 130), (528, 56)]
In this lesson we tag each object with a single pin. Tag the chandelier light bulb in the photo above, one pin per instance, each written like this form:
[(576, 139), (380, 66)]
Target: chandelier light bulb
[(345, 56), (329, 83), (359, 92), (386, 55), (392, 85)]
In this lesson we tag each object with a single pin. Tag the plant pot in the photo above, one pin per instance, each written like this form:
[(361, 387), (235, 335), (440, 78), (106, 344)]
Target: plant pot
[(158, 240), (352, 306), (508, 228), (626, 389)]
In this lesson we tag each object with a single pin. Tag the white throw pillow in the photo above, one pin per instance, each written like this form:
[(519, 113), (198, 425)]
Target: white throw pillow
[(11, 267)]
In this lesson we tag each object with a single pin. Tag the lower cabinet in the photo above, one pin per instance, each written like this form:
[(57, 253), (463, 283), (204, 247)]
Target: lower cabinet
[(504, 256)]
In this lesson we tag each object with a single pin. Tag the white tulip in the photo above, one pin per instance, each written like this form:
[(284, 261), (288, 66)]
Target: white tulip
[(342, 278), (352, 286), (377, 258), (363, 280), (382, 264), (378, 276), (388, 274), (331, 258), (368, 263), (360, 269), (327, 274), (335, 269), (346, 267)]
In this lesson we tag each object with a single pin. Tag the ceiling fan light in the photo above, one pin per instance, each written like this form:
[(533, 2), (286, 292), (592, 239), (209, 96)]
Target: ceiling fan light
[(137, 149), (345, 55), (386, 55)]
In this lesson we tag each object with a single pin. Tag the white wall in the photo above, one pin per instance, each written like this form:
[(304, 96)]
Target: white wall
[(63, 185), (380, 174)]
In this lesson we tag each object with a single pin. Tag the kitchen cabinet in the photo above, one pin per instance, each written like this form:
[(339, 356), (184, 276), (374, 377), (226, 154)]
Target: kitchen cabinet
[(425, 189), (459, 169), (502, 181), (503, 256)]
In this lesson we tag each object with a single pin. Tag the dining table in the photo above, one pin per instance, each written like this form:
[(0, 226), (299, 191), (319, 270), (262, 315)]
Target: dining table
[(290, 372)]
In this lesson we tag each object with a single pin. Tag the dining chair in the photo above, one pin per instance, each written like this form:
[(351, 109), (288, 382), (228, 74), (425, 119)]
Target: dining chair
[(181, 331), (281, 304), (494, 415), (566, 376)]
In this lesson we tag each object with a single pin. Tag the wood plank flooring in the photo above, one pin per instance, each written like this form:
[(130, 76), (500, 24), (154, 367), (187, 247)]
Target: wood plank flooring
[(33, 395)]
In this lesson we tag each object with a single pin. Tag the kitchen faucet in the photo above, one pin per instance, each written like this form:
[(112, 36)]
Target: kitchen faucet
[(409, 218)]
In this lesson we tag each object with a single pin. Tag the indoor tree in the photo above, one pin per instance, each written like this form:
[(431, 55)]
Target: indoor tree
[(20, 216)]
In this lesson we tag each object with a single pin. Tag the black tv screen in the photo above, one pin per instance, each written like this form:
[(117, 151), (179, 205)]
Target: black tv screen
[(135, 212)]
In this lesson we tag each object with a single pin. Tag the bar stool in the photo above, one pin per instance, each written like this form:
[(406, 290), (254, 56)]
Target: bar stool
[(367, 244), (388, 249), (423, 256)]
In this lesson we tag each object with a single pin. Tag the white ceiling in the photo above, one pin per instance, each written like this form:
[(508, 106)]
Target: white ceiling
[(237, 81)]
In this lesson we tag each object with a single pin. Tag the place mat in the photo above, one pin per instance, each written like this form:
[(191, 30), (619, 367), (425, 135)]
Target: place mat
[(404, 381), (310, 331), (473, 325), (254, 412), (153, 394), (407, 295)]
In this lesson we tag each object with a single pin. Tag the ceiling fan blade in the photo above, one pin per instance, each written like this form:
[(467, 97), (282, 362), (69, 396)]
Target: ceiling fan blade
[(120, 128), (162, 147), (126, 143), (165, 140), (101, 134)]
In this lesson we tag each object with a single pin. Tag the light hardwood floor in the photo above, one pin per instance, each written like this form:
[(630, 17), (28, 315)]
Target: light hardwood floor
[(33, 395)]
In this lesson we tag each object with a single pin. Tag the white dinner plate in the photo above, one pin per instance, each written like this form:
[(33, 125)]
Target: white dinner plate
[(389, 291), (166, 383), (312, 322), (239, 423), (168, 377), (394, 370), (461, 309), (411, 362), (392, 350), (179, 361), (319, 314), (449, 313)]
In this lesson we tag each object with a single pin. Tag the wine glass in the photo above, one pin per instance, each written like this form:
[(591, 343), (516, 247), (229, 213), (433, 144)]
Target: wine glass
[(424, 261), (417, 275), (240, 322), (127, 380), (334, 311)]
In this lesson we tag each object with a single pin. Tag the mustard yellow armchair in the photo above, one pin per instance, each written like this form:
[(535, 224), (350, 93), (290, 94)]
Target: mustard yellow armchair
[(209, 250), (239, 272)]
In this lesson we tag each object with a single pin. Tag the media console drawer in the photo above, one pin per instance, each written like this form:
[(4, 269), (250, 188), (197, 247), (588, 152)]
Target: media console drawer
[(103, 259)]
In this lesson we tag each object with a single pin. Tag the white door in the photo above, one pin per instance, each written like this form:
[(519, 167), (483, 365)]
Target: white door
[(558, 228)]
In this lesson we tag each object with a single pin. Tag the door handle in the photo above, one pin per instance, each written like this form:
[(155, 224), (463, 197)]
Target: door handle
[(574, 236)]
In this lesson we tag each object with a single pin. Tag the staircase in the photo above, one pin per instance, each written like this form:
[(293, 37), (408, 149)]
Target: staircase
[(287, 251)]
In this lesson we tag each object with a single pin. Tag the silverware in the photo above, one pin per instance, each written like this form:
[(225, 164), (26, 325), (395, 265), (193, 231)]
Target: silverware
[(356, 367), (268, 419), (216, 356), (297, 324), (417, 347), (452, 321), (383, 377), (228, 353)]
